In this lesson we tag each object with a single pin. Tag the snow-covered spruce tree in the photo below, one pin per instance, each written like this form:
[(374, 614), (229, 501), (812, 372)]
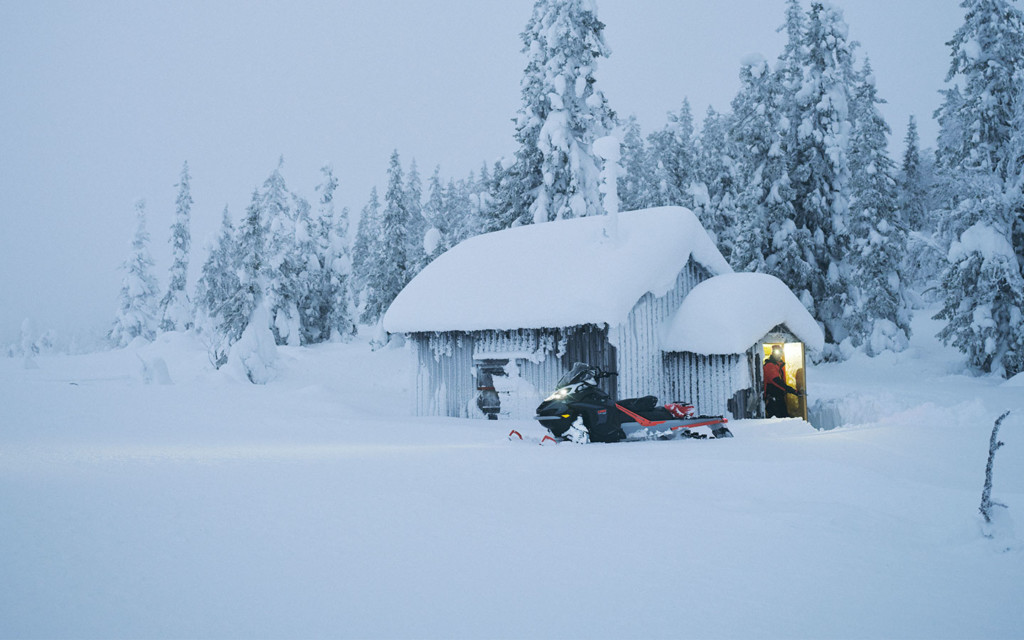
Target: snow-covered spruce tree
[(912, 194), (252, 352), (879, 316), (983, 287), (789, 72), (387, 267), (437, 214), (137, 302), (218, 284), (175, 308), (308, 271), (251, 262), (674, 159), (636, 186), (480, 203), (365, 247), (336, 322), (509, 196), (286, 262), (417, 226), (819, 172), (925, 258), (562, 112), (759, 135), (715, 191)]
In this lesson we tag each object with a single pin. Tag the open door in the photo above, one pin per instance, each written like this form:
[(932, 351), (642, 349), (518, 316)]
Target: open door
[(796, 367)]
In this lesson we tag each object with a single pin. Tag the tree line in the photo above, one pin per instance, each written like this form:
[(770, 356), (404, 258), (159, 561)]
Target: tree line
[(795, 180)]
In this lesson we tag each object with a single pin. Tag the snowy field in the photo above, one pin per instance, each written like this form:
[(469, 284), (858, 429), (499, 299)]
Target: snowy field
[(140, 500)]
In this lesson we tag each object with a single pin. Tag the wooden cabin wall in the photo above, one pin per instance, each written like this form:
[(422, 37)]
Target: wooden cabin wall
[(445, 385), (638, 341), (707, 382)]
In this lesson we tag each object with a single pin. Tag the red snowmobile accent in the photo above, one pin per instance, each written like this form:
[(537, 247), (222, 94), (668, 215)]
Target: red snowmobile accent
[(644, 422), (679, 409)]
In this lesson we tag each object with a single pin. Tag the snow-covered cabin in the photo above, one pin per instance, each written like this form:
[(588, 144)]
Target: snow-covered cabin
[(515, 308)]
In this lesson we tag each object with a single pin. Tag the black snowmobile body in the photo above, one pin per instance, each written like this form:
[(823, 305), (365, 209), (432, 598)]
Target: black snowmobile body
[(580, 410)]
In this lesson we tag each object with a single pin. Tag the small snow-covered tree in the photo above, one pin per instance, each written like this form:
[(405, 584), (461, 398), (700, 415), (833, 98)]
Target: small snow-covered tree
[(562, 111), (878, 317), (509, 194), (987, 504), (137, 306), (983, 288), (175, 308), (218, 284)]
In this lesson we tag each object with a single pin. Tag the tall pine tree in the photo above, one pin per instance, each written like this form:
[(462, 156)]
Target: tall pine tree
[(983, 286), (175, 308), (387, 266), (562, 113), (878, 318), (674, 159), (820, 172)]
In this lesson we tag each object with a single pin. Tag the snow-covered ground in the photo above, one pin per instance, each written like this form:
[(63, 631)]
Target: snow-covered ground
[(143, 494)]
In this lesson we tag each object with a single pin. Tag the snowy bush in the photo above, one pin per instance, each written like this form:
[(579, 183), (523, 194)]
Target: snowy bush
[(255, 354)]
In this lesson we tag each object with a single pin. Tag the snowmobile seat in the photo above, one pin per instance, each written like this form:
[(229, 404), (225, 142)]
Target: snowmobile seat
[(637, 405)]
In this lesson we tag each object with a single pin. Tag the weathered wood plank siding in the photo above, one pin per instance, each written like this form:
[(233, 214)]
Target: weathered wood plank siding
[(445, 385), (707, 382), (638, 341)]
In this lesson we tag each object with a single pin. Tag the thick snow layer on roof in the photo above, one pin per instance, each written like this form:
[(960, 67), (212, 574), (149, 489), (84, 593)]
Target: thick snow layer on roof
[(554, 274), (731, 312)]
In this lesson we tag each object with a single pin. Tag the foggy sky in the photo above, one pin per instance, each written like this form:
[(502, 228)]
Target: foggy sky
[(101, 102)]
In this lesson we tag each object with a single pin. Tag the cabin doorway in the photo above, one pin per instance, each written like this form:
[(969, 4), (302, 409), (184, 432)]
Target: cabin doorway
[(795, 368)]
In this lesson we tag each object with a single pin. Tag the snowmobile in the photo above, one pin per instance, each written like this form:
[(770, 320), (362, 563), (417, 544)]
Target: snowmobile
[(581, 411)]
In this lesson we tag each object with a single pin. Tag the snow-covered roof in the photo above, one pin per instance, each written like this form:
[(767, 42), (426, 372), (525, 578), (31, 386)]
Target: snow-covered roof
[(554, 274), (730, 313)]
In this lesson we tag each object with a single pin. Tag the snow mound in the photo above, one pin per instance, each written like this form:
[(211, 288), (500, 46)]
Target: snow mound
[(731, 312), (554, 274)]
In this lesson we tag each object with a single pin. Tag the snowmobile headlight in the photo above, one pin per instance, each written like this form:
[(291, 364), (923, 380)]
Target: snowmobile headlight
[(559, 394)]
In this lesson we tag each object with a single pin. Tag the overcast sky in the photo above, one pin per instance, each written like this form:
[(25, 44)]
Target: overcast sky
[(101, 102)]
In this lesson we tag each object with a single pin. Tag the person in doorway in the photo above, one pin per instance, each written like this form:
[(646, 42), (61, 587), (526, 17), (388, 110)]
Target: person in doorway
[(775, 387)]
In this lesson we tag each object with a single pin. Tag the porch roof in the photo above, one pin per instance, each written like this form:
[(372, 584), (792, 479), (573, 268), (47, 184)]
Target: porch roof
[(730, 313)]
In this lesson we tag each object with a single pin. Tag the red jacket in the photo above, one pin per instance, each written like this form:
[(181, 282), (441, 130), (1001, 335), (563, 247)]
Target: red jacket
[(775, 376)]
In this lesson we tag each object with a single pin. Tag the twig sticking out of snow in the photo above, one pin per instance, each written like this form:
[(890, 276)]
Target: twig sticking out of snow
[(986, 494)]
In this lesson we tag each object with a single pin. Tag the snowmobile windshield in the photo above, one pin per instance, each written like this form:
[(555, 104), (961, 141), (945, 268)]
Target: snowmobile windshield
[(578, 372)]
